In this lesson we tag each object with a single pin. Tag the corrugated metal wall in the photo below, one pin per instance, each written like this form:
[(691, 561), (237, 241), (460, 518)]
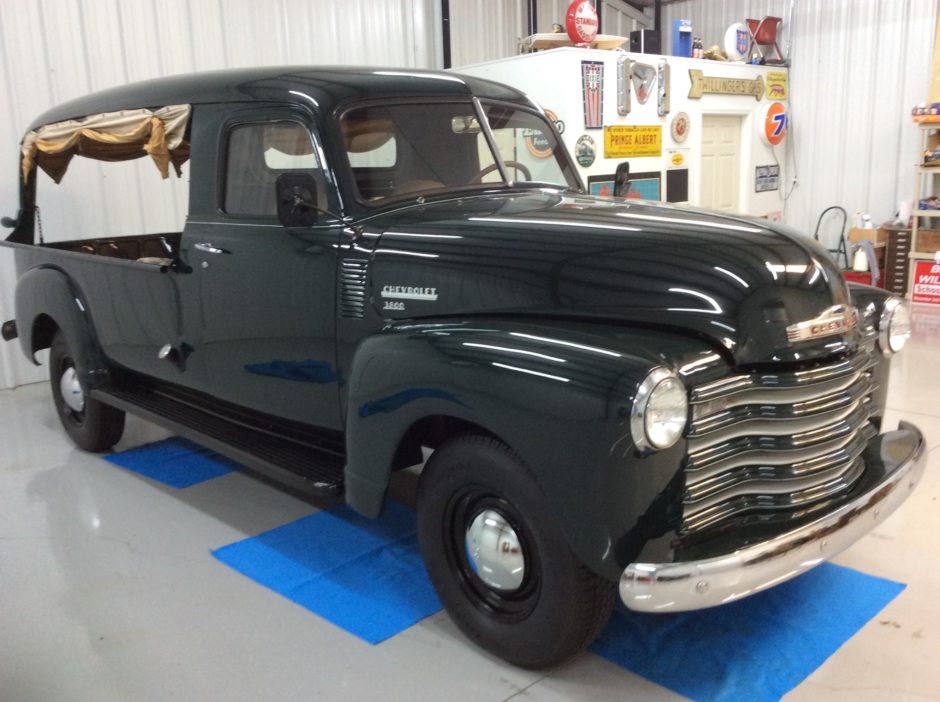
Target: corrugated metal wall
[(858, 66), (483, 30), (54, 50), (620, 19), (617, 17)]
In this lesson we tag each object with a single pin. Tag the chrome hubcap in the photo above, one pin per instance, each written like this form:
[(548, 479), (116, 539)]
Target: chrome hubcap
[(494, 551), (72, 393)]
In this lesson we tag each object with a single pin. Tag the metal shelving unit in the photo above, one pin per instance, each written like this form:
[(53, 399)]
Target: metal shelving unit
[(928, 184)]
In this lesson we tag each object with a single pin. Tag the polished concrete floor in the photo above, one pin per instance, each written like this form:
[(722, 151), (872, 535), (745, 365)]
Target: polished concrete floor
[(108, 590)]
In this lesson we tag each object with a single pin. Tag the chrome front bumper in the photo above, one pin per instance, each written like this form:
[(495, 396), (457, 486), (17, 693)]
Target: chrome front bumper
[(676, 587)]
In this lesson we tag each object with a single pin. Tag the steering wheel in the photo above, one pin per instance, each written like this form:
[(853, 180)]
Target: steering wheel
[(495, 166)]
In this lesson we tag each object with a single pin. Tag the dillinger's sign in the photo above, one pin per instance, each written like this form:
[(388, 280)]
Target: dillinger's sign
[(702, 84)]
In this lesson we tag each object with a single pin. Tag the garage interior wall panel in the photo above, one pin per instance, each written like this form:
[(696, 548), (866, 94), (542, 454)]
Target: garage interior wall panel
[(857, 68), (56, 50), (485, 30), (620, 19)]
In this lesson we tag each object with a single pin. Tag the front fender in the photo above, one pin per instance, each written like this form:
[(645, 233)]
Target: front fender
[(559, 395), (50, 292)]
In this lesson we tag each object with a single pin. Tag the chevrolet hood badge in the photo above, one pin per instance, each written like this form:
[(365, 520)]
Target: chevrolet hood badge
[(835, 320)]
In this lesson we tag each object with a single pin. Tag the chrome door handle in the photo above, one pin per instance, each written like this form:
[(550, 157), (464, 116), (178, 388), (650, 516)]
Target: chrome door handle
[(209, 248)]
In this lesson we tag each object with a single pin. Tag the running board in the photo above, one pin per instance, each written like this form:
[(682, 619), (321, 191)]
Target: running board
[(300, 465)]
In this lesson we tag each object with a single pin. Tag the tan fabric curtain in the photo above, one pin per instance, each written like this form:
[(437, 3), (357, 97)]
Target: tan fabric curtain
[(110, 136)]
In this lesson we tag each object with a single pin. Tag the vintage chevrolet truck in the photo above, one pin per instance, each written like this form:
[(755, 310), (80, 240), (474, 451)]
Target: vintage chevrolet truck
[(618, 396)]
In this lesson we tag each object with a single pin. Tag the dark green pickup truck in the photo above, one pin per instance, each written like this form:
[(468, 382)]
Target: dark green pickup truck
[(614, 393)]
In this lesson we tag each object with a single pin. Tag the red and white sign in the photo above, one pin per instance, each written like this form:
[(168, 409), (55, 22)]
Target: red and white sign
[(775, 123), (592, 88), (926, 286), (581, 22)]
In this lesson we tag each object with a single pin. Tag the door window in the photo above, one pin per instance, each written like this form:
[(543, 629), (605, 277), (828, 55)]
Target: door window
[(257, 155)]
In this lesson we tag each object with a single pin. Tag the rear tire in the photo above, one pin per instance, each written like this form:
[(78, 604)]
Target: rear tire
[(534, 610), (92, 425)]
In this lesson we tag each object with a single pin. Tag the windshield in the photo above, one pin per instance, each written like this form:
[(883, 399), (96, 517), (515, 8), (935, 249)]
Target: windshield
[(400, 149)]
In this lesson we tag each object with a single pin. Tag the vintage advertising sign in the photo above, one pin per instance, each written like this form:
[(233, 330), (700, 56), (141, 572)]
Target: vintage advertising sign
[(777, 85), (680, 127), (585, 150), (702, 84), (535, 140), (581, 22), (926, 284), (624, 140), (766, 178), (677, 158), (640, 186), (774, 123), (592, 87)]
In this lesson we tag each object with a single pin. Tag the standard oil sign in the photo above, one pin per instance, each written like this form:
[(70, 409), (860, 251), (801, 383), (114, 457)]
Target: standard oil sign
[(622, 140)]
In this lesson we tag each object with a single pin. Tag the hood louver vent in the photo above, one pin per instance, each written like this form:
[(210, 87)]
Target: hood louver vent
[(352, 302)]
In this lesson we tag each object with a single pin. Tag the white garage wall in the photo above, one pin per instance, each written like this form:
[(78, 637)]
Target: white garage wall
[(483, 30), (858, 66), (55, 50)]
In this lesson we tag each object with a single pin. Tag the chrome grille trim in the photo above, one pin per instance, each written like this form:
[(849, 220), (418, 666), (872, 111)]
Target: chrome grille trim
[(352, 301), (780, 420), (756, 501), (777, 450), (847, 370), (777, 440), (780, 477)]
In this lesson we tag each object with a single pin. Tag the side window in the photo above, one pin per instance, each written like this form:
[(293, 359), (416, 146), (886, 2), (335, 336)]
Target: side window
[(256, 155)]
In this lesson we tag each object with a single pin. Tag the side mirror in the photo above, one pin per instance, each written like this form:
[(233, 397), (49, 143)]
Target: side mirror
[(296, 199), (621, 179)]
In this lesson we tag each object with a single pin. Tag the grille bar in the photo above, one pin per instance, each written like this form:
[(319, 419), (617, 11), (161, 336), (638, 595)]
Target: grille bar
[(771, 441), (740, 504)]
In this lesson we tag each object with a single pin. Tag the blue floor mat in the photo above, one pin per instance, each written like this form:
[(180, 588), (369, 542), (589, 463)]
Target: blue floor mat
[(367, 577), (755, 649), (364, 575), (176, 462)]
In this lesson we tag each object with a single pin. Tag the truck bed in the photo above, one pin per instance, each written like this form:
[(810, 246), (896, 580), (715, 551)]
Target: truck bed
[(144, 248)]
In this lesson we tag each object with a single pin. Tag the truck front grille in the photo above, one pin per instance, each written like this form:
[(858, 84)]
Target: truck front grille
[(771, 441)]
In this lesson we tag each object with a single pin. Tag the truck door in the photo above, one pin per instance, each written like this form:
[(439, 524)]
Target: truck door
[(265, 301)]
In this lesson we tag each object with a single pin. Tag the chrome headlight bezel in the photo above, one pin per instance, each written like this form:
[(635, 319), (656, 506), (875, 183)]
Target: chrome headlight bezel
[(660, 382), (893, 314)]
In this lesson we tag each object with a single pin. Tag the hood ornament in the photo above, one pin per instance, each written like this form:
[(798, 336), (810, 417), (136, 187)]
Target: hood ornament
[(835, 320)]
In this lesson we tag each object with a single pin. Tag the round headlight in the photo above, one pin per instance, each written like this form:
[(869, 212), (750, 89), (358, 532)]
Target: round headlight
[(894, 327), (660, 411)]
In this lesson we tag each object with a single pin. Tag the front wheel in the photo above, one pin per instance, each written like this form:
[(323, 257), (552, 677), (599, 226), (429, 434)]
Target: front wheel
[(92, 425), (499, 560)]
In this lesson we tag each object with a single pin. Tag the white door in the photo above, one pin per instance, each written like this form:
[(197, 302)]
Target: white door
[(721, 162)]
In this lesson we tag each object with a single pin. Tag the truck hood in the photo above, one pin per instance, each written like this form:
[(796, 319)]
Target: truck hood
[(738, 282)]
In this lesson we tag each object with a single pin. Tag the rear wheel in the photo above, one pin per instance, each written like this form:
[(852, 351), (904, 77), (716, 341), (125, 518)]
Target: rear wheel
[(499, 560), (92, 425)]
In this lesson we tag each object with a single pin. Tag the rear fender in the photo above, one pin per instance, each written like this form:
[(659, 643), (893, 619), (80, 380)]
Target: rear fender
[(48, 292)]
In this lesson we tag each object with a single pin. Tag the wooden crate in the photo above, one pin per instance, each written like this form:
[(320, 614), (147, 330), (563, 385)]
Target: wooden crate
[(928, 240)]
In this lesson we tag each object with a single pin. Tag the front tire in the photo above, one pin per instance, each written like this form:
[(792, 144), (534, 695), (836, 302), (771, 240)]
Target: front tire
[(499, 560), (92, 425)]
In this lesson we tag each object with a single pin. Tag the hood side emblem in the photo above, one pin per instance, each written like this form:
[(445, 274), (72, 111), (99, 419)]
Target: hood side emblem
[(835, 320)]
